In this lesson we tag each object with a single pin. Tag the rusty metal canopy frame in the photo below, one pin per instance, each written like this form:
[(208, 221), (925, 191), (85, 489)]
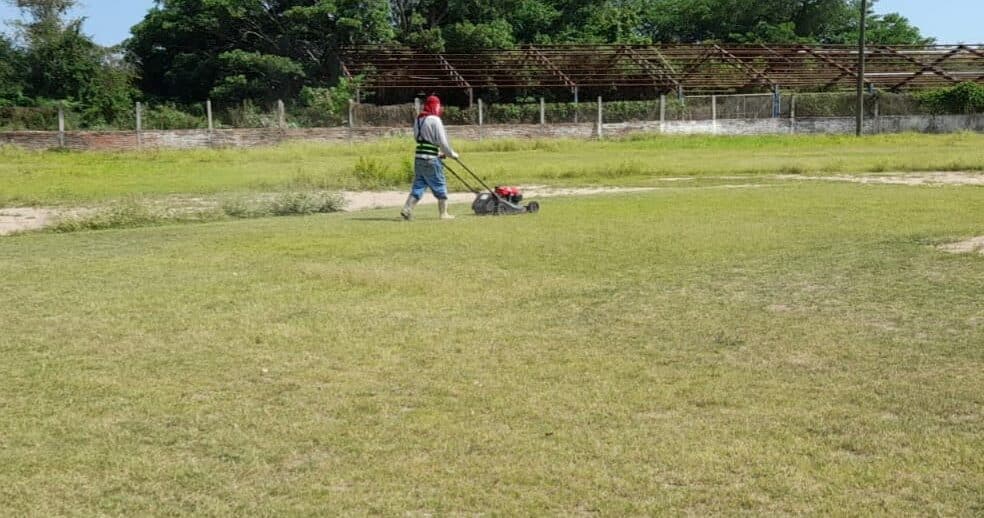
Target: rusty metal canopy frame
[(690, 69)]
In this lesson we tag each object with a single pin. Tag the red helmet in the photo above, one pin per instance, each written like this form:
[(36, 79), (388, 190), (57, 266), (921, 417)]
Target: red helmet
[(432, 106)]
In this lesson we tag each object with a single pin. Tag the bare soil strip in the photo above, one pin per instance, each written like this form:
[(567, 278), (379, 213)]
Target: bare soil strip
[(927, 178), (21, 219), (969, 246), (356, 201)]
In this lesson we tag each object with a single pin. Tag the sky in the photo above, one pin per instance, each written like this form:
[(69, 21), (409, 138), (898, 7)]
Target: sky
[(949, 21)]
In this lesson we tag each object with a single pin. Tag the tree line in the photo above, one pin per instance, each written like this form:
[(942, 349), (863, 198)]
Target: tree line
[(233, 51)]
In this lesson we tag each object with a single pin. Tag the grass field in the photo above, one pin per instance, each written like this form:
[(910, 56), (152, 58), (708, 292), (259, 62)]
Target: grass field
[(53, 178), (770, 349)]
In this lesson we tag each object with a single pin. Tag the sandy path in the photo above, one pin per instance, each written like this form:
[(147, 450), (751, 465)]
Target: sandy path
[(19, 219), (357, 201), (928, 178), (970, 246)]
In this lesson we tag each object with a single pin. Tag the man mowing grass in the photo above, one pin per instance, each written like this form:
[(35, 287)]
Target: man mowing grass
[(432, 146)]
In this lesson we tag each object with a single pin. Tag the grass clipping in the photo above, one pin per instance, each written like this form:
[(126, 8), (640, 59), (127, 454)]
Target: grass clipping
[(134, 213)]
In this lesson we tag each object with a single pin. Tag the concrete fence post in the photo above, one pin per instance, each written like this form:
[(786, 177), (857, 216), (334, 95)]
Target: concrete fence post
[(601, 117), (211, 123), (139, 126), (575, 105), (877, 109), (792, 113), (481, 118), (281, 115), (543, 112), (662, 113), (61, 125), (776, 103), (416, 107), (714, 114), (351, 114)]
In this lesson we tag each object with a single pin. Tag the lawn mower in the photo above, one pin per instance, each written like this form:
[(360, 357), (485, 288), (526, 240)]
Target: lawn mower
[(499, 201)]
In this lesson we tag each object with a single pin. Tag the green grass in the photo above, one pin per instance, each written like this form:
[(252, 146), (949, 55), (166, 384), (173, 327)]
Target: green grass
[(799, 348), (58, 178)]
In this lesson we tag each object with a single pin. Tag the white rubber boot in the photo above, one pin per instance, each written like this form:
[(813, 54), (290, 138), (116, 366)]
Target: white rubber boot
[(442, 207), (407, 212)]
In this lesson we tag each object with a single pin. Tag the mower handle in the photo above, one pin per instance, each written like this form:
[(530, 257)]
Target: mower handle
[(475, 176)]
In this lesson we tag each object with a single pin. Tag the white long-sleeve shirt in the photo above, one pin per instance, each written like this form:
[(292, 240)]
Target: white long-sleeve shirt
[(431, 129)]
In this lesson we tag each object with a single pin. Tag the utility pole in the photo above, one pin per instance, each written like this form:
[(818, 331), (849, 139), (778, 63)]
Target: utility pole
[(861, 46)]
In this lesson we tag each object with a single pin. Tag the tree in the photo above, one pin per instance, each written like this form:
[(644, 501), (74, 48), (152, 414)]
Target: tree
[(12, 73), (440, 24), (189, 49), (889, 29), (252, 75), (469, 37), (59, 62), (46, 15)]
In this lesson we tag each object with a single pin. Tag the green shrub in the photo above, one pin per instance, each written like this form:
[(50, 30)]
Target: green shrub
[(34, 119), (964, 98), (327, 106), (170, 117), (248, 115), (455, 116)]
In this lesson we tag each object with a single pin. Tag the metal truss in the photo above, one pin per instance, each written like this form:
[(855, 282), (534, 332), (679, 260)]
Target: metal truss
[(696, 69)]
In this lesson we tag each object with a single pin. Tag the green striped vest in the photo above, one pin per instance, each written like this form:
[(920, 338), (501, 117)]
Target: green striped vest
[(424, 147)]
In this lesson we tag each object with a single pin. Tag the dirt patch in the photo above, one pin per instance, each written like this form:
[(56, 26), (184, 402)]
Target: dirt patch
[(20, 219), (970, 246), (928, 178)]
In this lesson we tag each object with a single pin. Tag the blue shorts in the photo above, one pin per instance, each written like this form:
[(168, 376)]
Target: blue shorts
[(429, 173)]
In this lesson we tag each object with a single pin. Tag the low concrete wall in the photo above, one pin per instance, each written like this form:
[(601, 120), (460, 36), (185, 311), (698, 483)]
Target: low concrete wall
[(191, 139), (821, 125)]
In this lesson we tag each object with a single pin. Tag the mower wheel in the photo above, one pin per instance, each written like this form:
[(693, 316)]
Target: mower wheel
[(533, 207)]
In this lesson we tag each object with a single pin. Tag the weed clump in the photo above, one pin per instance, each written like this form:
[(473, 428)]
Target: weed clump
[(295, 203), (245, 208), (124, 215), (132, 213)]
